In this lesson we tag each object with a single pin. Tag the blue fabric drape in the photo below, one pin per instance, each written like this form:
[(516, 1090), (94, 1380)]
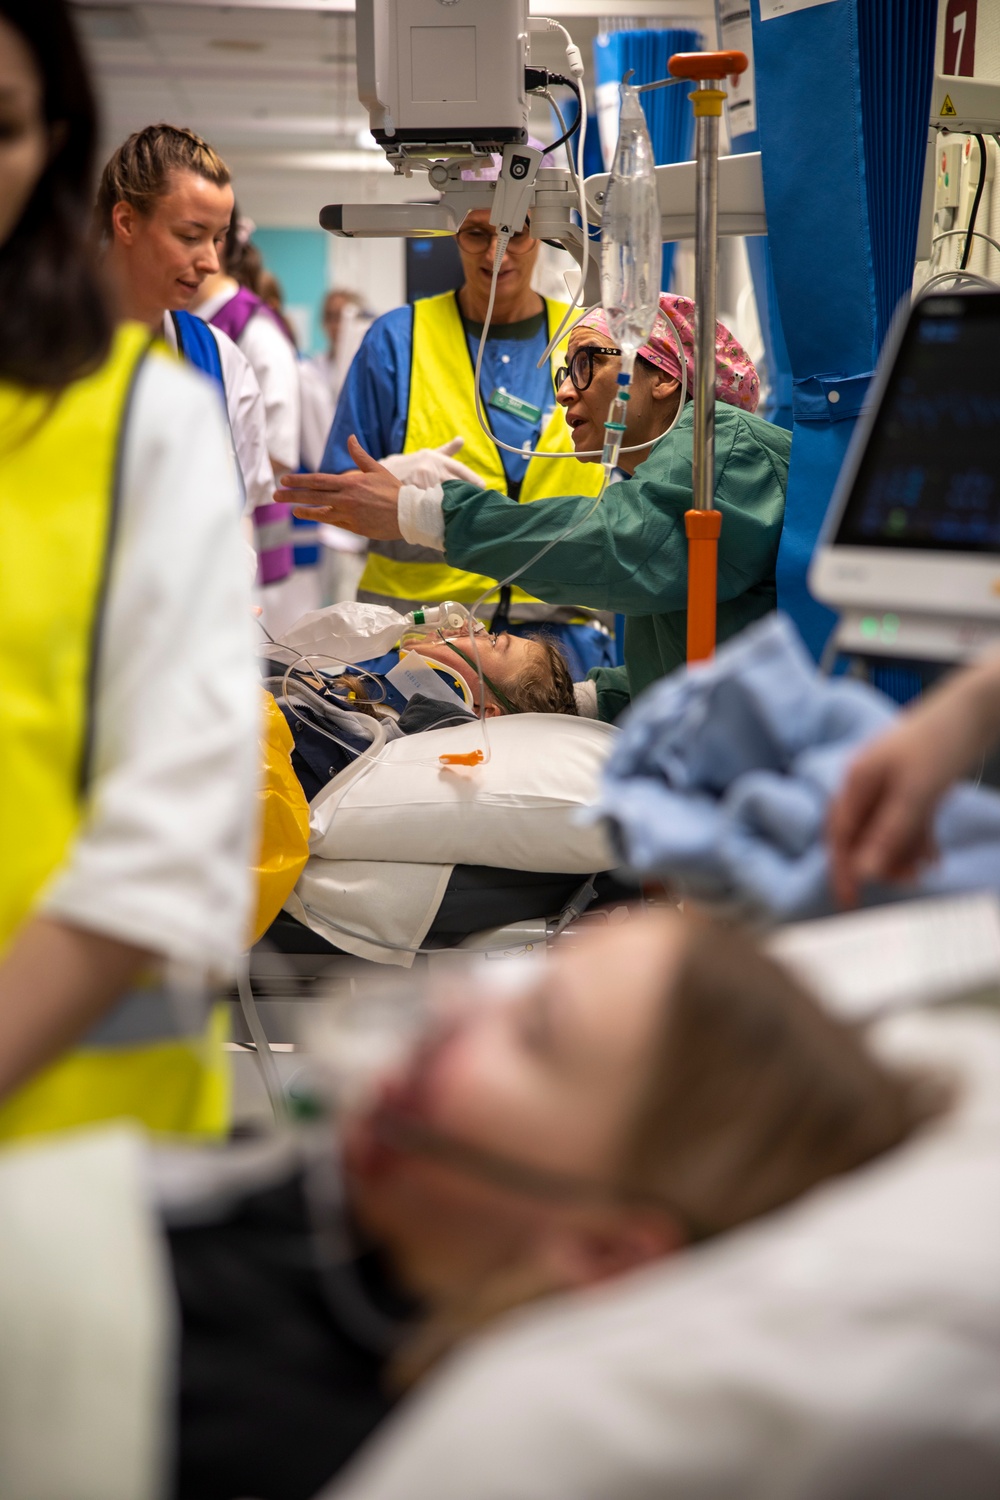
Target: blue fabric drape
[(842, 99), (668, 111)]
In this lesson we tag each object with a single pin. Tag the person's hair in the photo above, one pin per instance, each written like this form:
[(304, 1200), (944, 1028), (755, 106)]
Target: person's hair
[(240, 257), (271, 290), (348, 298), (55, 321), (754, 1093), (139, 171), (546, 685)]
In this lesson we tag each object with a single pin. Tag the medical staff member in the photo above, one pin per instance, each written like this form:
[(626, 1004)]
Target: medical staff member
[(128, 708), (629, 553), (411, 387), (164, 205), (164, 208)]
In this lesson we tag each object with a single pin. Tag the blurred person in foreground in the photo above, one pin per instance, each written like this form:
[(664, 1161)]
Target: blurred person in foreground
[(530, 1139), (128, 703)]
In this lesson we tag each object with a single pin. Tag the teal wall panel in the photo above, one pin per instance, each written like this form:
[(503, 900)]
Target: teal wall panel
[(298, 257)]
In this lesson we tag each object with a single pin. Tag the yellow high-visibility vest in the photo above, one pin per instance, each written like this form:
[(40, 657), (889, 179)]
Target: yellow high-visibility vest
[(60, 462), (443, 403)]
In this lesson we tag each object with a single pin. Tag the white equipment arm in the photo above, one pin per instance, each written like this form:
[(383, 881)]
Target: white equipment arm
[(554, 199)]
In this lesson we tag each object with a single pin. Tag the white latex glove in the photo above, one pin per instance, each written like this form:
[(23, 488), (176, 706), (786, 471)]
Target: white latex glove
[(585, 694), (430, 466)]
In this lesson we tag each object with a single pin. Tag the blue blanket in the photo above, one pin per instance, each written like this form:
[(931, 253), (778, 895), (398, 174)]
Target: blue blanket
[(720, 781)]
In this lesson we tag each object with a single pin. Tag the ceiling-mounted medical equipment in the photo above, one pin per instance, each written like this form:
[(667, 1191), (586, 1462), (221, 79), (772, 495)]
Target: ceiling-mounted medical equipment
[(424, 126), (443, 77), (630, 258), (703, 524)]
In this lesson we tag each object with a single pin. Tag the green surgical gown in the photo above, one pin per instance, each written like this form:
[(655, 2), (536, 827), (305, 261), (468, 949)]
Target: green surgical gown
[(630, 555)]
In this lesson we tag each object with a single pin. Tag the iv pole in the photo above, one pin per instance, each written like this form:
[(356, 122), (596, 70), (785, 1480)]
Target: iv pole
[(703, 524)]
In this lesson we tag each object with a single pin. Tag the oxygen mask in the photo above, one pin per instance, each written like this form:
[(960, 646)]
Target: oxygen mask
[(373, 1037)]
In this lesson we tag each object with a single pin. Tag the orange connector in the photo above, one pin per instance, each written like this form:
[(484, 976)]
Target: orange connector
[(702, 528), (703, 66)]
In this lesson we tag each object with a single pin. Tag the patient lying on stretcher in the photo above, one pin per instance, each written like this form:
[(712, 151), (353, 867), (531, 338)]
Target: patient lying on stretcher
[(656, 1084), (499, 674)]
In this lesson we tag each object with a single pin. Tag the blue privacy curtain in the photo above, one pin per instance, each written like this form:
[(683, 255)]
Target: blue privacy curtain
[(777, 405), (668, 111), (843, 93)]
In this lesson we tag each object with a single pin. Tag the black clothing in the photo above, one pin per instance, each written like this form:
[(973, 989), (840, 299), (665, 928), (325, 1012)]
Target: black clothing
[(275, 1393)]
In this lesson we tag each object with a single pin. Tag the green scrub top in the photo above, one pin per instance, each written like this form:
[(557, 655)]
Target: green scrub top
[(630, 556)]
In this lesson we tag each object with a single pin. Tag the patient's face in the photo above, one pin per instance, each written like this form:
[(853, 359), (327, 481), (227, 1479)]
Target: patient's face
[(504, 658), (546, 1079)]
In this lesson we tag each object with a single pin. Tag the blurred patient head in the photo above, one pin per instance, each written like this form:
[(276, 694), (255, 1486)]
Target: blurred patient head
[(164, 207), (658, 1083)]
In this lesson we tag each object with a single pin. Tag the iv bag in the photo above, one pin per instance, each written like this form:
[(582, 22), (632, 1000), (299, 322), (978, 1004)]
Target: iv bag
[(630, 233)]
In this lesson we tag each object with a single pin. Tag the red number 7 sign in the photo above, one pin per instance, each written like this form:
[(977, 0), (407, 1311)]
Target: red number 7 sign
[(960, 37)]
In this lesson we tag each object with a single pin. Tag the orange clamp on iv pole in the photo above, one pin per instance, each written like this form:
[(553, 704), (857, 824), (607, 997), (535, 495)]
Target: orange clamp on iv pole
[(703, 524)]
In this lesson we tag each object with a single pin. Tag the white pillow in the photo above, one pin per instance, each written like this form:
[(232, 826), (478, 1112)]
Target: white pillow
[(517, 811)]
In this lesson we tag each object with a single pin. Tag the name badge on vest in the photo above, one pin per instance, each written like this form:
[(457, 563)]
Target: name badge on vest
[(516, 407)]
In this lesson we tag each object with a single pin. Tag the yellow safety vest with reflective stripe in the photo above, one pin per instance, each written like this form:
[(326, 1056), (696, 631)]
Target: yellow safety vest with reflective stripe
[(59, 473), (443, 403)]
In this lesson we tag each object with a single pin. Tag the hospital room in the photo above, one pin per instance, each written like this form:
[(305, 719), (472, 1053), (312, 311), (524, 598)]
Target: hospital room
[(500, 750)]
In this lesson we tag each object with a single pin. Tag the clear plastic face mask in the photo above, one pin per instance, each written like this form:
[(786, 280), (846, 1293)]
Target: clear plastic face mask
[(366, 1032)]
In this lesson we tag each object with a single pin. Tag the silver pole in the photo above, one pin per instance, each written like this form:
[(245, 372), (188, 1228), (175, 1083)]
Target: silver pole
[(706, 242)]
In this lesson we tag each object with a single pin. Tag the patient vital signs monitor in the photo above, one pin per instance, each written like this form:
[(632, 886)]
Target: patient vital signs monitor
[(910, 552)]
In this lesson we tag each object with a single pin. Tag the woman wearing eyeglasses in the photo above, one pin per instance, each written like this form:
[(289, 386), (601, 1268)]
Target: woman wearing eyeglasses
[(411, 386), (630, 554)]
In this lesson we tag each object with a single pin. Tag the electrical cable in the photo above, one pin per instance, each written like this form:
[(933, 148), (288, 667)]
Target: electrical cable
[(578, 179), (265, 1057), (973, 278), (977, 234), (980, 186), (537, 84)]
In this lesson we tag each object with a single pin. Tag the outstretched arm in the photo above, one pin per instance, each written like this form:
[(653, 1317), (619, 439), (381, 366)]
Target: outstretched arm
[(881, 823), (364, 499)]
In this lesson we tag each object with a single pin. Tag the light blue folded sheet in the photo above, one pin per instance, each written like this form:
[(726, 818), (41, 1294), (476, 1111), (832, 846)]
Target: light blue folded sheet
[(720, 781)]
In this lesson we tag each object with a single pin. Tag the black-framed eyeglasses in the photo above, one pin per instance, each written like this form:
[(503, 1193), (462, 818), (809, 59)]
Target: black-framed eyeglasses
[(581, 366), (476, 239)]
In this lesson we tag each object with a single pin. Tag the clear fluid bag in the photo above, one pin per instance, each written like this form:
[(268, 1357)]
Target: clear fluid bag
[(630, 234)]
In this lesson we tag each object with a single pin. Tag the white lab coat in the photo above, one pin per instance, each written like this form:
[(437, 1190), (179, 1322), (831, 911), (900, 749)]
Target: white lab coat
[(162, 859)]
